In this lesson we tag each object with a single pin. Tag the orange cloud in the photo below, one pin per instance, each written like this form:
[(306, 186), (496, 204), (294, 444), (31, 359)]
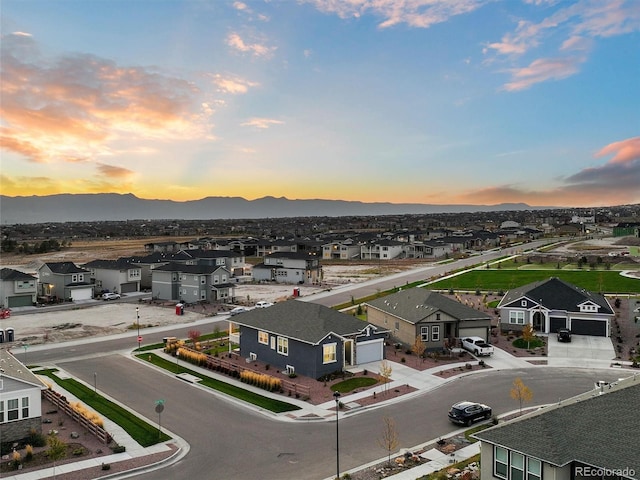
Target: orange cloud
[(624, 151), (542, 70), (256, 49), (72, 108)]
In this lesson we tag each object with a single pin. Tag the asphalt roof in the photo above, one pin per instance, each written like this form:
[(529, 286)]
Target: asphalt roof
[(600, 430), (11, 275), (304, 321), (556, 294), (415, 304), (11, 367), (65, 267)]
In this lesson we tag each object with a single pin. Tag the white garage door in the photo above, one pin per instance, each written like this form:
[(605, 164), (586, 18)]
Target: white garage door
[(81, 294), (371, 351), (474, 332)]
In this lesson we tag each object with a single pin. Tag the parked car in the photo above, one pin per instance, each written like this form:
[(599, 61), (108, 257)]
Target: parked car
[(238, 310), (564, 335), (263, 304), (110, 296), (477, 345), (465, 413)]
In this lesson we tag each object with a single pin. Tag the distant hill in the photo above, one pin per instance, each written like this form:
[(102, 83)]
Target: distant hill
[(117, 207)]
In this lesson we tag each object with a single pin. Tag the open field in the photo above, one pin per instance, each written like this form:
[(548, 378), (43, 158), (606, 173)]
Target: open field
[(504, 279)]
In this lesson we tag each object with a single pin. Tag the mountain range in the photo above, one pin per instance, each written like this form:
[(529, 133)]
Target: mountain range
[(120, 207)]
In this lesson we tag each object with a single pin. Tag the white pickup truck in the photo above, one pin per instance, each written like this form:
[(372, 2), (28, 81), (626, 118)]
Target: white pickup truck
[(477, 345)]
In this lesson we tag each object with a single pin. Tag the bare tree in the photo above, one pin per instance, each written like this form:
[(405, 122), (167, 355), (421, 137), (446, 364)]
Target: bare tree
[(389, 437), (418, 347), (385, 372), (520, 392), (528, 334)]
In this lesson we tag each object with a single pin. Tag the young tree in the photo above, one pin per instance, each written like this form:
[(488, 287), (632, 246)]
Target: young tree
[(528, 334), (520, 392), (194, 336), (389, 438), (385, 372), (57, 450), (418, 348)]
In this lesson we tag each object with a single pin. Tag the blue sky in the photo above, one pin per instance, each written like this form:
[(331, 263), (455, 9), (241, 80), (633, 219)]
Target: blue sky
[(415, 101)]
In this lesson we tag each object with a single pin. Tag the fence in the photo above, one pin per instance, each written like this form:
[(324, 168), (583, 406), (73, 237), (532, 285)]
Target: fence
[(62, 404), (233, 368)]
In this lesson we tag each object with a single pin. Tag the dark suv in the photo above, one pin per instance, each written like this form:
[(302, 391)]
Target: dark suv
[(564, 335), (465, 413)]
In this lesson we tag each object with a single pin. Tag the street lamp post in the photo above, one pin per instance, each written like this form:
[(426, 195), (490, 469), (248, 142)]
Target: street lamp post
[(25, 346), (138, 325), (336, 396)]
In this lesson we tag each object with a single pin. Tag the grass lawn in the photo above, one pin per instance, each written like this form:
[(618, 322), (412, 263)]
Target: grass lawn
[(503, 280), (261, 401), (351, 384), (138, 429)]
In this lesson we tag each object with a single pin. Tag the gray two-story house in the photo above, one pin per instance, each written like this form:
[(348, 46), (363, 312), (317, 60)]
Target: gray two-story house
[(289, 267), (64, 281), (192, 283), (120, 276), (17, 289)]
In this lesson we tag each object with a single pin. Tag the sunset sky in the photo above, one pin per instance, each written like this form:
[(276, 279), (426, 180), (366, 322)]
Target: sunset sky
[(412, 101)]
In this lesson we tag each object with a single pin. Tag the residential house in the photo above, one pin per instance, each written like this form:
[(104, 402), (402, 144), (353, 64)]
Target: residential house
[(20, 399), (307, 339), (120, 276), (232, 261), (162, 247), (437, 319), (288, 267), (148, 262), (64, 281), (192, 283), (343, 249), (267, 247), (552, 304), (17, 289), (590, 436), (381, 249)]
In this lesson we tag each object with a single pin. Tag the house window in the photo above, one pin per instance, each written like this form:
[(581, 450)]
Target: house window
[(437, 317), (74, 278), (1, 411), (516, 318), (397, 326), (424, 334), (534, 469), (435, 333), (203, 280), (263, 338), (273, 343), (329, 353), (500, 462), (523, 303), (517, 466), (12, 409), (283, 346), (25, 407)]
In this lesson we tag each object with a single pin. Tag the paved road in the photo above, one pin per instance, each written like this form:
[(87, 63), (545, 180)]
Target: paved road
[(229, 441), (344, 294)]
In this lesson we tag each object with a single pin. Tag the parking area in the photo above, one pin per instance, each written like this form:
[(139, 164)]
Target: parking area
[(590, 351)]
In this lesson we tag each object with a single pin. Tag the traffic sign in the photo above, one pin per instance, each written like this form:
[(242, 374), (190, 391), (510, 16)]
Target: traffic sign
[(139, 338)]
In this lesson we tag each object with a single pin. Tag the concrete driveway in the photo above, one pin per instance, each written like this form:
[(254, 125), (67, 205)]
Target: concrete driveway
[(583, 351)]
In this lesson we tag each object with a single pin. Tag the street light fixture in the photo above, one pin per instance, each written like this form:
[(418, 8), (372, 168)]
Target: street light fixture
[(138, 324), (336, 396)]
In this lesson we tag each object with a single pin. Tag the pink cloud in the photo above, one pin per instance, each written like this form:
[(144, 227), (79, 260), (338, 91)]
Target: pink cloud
[(624, 151), (542, 70)]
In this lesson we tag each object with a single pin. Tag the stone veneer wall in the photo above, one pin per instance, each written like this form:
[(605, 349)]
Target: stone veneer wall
[(18, 430)]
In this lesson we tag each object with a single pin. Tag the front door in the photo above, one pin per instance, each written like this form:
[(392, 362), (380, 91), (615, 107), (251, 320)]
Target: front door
[(538, 322), (348, 352)]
